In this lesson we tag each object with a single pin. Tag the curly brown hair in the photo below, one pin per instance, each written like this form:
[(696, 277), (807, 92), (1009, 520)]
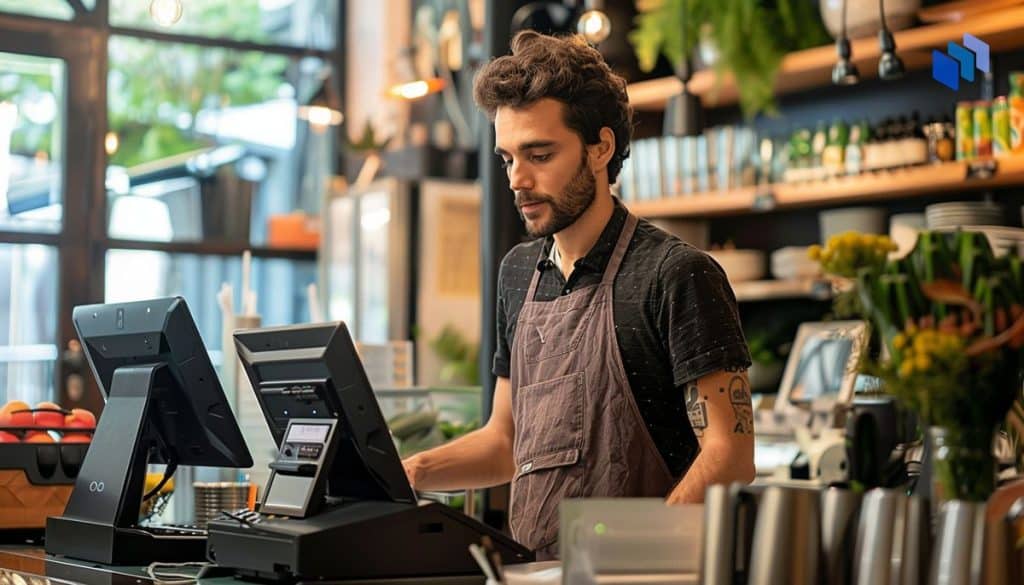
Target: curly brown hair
[(566, 69)]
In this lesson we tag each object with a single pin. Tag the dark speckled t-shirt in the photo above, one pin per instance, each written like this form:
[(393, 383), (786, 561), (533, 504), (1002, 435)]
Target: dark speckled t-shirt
[(675, 320)]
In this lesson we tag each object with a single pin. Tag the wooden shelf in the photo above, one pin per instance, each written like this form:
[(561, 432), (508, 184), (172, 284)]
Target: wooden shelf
[(213, 248), (768, 290), (880, 185), (810, 68)]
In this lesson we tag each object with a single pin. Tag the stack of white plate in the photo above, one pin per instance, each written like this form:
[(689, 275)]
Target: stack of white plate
[(740, 265), (960, 213)]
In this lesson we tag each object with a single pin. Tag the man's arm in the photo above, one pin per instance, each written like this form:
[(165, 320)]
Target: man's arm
[(718, 406), (479, 459)]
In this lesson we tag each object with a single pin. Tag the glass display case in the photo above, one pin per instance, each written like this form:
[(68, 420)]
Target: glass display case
[(364, 260)]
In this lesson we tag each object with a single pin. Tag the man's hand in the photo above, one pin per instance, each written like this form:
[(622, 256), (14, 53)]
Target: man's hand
[(479, 459), (414, 469), (720, 412)]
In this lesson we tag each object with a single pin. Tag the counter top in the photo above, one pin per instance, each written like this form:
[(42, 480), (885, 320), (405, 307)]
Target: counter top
[(35, 568)]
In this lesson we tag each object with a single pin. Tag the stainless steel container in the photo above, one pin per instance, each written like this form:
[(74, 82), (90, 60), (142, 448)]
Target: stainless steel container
[(892, 539), (840, 510), (787, 538), (212, 497)]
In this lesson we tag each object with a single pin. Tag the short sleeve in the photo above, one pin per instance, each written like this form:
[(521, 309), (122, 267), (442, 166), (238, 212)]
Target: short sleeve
[(500, 365), (698, 320)]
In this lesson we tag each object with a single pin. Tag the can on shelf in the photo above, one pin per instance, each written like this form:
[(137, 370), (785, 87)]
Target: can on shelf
[(964, 131), (1001, 145), (1016, 103), (982, 115)]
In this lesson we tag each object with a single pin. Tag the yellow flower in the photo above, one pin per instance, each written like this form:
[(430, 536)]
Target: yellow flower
[(906, 369), (922, 363), (900, 341), (921, 343), (814, 252)]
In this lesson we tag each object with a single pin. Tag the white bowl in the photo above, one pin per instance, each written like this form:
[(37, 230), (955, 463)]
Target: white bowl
[(740, 265), (862, 16), (539, 573), (792, 263)]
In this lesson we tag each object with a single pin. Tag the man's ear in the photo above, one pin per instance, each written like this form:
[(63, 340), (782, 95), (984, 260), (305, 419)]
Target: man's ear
[(600, 154)]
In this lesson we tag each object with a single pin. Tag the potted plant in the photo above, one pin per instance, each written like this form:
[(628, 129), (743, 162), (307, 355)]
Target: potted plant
[(749, 37), (950, 317)]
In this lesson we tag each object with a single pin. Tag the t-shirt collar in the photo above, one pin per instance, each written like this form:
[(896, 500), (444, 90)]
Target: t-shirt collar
[(597, 258)]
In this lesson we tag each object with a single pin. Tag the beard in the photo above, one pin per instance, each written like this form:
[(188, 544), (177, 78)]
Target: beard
[(566, 208)]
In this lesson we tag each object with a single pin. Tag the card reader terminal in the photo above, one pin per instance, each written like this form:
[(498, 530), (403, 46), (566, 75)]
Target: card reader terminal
[(298, 479)]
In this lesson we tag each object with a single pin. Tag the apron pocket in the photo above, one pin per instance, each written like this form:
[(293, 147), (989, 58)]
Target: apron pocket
[(538, 488), (555, 334), (548, 416), (549, 461)]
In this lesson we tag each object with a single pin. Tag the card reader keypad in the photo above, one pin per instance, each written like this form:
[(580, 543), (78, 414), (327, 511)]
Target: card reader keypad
[(310, 451)]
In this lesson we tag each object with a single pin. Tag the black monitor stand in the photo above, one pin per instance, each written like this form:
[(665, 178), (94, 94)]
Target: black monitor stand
[(307, 528), (100, 522)]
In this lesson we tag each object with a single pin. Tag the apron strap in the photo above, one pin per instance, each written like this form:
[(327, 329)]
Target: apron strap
[(625, 236), (612, 269), (530, 292)]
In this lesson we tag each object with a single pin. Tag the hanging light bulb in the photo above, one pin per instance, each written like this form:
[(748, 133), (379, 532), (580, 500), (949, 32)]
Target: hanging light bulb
[(595, 26), (410, 85), (166, 12), (323, 109), (111, 143)]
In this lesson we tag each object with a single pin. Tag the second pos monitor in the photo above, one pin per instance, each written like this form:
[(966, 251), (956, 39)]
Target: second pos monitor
[(313, 372)]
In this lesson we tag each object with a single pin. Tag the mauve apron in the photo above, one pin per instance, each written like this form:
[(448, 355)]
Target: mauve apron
[(578, 431)]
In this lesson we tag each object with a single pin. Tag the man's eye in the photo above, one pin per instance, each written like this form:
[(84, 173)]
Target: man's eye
[(541, 157), (505, 163)]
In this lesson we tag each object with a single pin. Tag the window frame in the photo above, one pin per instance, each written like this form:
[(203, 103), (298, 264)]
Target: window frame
[(82, 43)]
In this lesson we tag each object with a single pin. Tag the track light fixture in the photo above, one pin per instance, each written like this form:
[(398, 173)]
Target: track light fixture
[(845, 71), (890, 66)]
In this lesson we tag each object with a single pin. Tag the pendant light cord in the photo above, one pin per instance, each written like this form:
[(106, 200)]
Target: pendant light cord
[(844, 19), (683, 61)]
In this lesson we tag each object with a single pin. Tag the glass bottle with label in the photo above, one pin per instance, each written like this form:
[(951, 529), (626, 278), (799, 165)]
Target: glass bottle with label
[(818, 150), (853, 157), (832, 157)]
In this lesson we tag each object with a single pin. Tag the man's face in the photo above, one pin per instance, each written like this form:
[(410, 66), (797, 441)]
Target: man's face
[(546, 164)]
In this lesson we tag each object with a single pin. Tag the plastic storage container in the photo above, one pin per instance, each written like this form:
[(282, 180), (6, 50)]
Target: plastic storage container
[(629, 536)]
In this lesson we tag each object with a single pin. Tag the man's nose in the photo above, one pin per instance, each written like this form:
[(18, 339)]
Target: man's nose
[(519, 178)]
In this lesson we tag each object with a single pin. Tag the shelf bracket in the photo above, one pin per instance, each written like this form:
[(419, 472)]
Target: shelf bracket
[(981, 169), (764, 199)]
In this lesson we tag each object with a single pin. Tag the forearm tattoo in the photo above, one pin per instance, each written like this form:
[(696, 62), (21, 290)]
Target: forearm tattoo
[(696, 409), (739, 396)]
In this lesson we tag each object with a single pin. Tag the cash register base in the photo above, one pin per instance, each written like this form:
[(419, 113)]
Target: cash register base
[(357, 540)]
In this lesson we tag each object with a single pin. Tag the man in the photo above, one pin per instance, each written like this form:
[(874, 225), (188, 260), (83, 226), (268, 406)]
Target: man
[(621, 364)]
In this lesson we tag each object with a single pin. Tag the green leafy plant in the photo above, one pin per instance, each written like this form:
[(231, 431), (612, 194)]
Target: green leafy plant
[(751, 36), (460, 356), (368, 142), (760, 349)]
